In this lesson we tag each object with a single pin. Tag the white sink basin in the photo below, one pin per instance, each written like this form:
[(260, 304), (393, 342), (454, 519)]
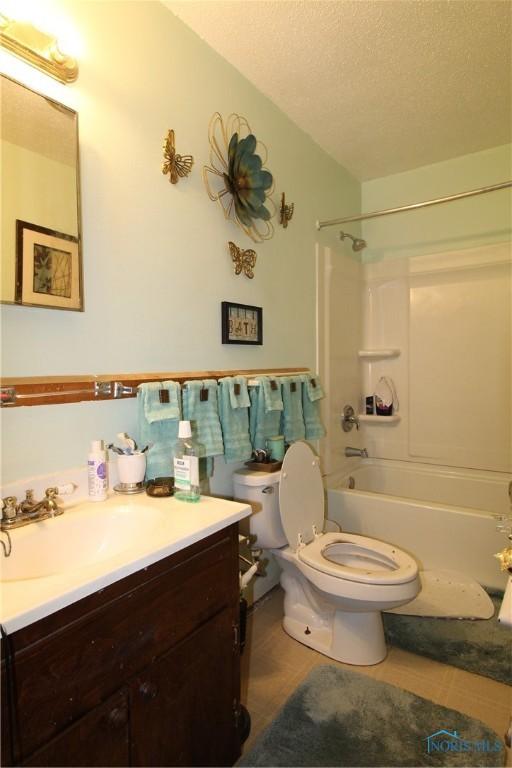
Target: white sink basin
[(84, 535), (58, 561)]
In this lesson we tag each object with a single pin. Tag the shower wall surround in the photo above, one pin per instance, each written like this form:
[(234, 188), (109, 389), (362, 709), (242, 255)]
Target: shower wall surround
[(156, 263), (450, 316), (339, 328), (438, 286)]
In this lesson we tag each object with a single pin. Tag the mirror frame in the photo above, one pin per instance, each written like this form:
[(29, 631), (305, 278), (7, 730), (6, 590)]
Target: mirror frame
[(17, 302)]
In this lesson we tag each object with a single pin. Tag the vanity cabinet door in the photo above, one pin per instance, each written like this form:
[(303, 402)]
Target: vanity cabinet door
[(169, 628), (72, 661), (184, 706), (100, 738)]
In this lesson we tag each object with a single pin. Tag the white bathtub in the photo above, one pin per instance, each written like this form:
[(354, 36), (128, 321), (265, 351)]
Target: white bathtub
[(443, 516)]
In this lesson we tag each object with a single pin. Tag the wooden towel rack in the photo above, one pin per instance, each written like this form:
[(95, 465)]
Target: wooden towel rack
[(55, 390)]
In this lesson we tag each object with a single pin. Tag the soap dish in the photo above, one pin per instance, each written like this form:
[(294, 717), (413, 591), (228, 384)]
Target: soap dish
[(129, 488), (264, 466), (160, 487)]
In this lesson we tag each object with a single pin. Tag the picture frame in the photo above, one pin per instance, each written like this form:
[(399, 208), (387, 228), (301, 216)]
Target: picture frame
[(241, 324), (48, 268)]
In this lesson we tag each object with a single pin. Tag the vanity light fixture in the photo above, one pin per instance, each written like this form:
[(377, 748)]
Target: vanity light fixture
[(37, 48)]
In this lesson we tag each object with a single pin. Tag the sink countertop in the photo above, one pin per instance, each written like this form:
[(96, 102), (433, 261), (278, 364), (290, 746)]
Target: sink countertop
[(26, 600)]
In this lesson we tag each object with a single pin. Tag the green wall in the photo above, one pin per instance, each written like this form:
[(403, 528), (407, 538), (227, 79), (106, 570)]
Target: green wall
[(156, 260), (464, 223)]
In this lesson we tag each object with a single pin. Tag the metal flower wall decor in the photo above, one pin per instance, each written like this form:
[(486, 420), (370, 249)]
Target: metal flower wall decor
[(237, 177)]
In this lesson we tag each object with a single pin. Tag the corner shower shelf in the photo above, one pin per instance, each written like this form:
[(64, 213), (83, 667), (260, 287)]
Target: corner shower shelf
[(375, 354), (372, 418)]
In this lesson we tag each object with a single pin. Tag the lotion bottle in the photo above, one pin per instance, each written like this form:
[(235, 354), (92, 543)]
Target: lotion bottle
[(97, 475), (186, 464)]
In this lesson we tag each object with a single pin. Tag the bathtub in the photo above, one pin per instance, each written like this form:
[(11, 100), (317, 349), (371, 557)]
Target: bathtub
[(442, 516)]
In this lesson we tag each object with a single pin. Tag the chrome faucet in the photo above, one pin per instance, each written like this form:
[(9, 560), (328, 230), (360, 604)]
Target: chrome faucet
[(361, 453), (29, 506), (15, 515), (349, 419)]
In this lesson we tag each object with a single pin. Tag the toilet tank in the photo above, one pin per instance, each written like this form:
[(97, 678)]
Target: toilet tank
[(261, 491)]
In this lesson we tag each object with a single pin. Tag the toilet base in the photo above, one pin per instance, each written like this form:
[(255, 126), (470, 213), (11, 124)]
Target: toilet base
[(316, 620), (353, 638)]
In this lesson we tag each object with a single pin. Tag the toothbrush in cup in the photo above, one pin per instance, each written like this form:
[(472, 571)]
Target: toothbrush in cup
[(131, 445)]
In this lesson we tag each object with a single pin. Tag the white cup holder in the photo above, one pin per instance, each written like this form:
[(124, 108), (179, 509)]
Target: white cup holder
[(131, 468)]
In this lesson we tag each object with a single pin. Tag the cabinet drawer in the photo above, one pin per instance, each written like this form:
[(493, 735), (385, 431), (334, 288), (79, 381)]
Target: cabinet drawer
[(62, 676), (100, 738)]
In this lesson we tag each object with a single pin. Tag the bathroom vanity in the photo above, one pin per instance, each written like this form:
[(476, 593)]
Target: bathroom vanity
[(144, 671)]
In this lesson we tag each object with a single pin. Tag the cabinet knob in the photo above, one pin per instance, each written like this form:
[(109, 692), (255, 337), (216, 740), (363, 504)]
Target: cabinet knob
[(118, 717), (148, 690)]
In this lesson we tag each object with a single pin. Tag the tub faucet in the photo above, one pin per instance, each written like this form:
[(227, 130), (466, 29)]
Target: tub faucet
[(362, 453), (349, 419)]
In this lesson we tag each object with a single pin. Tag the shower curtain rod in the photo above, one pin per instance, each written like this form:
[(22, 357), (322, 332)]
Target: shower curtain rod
[(424, 204)]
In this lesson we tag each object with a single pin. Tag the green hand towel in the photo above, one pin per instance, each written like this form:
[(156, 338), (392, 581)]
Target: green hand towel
[(238, 392), (312, 393), (154, 409), (158, 424), (263, 423), (292, 417), (272, 393), (203, 411), (234, 420)]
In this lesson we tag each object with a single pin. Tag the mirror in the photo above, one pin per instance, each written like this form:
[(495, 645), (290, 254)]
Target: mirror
[(40, 246)]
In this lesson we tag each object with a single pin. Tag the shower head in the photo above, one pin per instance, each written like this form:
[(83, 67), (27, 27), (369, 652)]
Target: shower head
[(357, 243)]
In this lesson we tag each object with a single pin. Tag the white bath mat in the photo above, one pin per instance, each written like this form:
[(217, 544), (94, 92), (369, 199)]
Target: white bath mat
[(448, 595)]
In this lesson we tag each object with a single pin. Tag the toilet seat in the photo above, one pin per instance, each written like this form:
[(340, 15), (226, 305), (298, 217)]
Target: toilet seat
[(358, 558), (341, 555)]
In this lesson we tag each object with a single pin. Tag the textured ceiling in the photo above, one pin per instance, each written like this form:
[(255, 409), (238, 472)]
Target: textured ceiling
[(382, 85)]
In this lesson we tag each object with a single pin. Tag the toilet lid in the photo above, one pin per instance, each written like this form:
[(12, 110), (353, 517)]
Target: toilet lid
[(301, 494)]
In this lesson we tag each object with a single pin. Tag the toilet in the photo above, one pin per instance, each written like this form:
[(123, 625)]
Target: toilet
[(335, 584)]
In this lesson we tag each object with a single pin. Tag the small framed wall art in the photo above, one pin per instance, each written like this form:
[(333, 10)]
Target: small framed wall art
[(48, 268), (241, 324)]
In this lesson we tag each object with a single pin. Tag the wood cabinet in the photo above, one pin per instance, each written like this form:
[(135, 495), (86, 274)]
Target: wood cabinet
[(99, 738), (144, 672), (197, 712)]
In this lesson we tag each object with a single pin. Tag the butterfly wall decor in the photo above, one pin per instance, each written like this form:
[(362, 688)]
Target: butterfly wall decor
[(285, 212), (177, 166), (244, 261)]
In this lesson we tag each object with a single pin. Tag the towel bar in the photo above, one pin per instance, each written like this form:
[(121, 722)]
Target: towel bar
[(56, 390)]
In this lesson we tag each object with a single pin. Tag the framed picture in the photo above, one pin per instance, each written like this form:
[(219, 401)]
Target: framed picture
[(48, 268), (241, 324)]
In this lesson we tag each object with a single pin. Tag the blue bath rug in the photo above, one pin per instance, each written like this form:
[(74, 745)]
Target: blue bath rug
[(482, 646), (338, 717)]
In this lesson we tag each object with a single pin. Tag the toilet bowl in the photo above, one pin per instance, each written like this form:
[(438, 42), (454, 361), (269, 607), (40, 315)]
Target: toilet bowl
[(335, 584)]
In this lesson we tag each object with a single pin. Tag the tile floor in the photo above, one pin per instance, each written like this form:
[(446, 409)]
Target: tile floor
[(273, 664)]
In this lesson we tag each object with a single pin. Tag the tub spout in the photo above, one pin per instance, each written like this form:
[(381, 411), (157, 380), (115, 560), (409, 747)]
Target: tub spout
[(361, 453)]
